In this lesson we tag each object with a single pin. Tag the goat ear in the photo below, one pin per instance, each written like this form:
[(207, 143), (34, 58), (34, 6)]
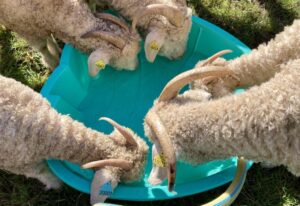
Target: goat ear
[(102, 186), (154, 41), (53, 47), (159, 170), (97, 61)]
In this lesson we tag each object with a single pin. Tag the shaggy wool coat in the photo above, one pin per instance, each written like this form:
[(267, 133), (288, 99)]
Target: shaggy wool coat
[(31, 132), (261, 124)]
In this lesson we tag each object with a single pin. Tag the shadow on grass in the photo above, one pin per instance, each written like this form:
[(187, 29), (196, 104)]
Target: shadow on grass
[(251, 23), (279, 15), (17, 190), (19, 61), (263, 187), (8, 61)]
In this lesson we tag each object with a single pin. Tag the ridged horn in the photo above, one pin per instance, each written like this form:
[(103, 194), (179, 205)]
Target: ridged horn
[(215, 56), (176, 84), (107, 36), (113, 19), (125, 133), (124, 164), (174, 15)]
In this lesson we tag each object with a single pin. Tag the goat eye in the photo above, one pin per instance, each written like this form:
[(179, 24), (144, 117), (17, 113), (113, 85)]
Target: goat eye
[(154, 45), (100, 64)]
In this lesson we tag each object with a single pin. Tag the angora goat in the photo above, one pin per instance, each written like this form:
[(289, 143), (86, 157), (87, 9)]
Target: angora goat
[(166, 24), (257, 67), (261, 124), (31, 132), (71, 21)]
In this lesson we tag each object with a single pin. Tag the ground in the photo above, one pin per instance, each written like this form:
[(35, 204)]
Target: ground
[(252, 21)]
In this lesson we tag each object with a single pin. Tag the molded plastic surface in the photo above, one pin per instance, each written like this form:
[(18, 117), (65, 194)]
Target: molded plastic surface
[(126, 96)]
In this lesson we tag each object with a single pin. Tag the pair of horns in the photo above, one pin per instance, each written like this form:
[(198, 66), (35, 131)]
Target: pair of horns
[(124, 164), (169, 92), (108, 36), (113, 19), (177, 83), (173, 14)]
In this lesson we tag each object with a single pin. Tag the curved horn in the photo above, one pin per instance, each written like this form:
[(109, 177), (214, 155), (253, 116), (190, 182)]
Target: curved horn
[(215, 56), (162, 137), (124, 164), (107, 36), (113, 19), (174, 15), (125, 133), (176, 84)]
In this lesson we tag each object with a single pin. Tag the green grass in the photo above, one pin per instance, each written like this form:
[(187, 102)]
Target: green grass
[(252, 21), (19, 61)]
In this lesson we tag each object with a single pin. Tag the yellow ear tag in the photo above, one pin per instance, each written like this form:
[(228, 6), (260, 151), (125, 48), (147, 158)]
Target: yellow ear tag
[(100, 64), (154, 45), (159, 160)]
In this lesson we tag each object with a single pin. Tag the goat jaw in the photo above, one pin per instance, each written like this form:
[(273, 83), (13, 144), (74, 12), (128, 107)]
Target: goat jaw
[(154, 41)]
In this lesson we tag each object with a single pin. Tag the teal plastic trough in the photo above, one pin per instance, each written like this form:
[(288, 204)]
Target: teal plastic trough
[(126, 96)]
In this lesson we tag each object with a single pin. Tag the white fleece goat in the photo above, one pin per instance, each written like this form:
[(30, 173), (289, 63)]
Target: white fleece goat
[(257, 67), (166, 24), (261, 124), (71, 21), (31, 132)]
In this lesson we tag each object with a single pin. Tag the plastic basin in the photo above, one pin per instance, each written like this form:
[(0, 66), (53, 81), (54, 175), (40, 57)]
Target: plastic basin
[(126, 97)]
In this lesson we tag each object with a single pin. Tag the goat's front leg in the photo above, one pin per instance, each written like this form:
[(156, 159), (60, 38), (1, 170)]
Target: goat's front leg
[(257, 67)]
